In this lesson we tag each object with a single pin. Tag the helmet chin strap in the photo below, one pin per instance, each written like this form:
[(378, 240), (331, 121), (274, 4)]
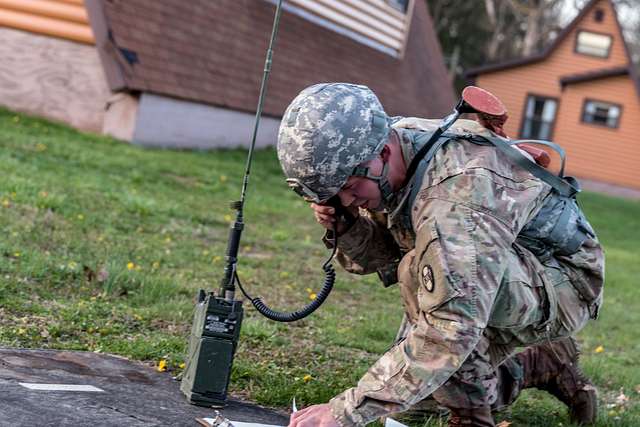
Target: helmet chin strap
[(383, 181)]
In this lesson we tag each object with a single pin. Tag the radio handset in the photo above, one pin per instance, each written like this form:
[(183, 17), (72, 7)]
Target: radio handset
[(341, 214)]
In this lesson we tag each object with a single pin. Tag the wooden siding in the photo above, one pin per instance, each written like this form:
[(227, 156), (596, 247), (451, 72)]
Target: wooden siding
[(598, 152), (375, 20), (66, 19), (542, 78)]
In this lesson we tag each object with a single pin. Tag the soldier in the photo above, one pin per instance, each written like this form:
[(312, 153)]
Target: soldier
[(472, 288)]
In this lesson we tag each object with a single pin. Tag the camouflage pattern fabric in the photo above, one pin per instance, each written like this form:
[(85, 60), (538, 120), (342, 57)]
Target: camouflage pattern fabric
[(328, 130), (471, 293)]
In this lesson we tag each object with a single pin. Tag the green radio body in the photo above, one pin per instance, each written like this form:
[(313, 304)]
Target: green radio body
[(212, 345)]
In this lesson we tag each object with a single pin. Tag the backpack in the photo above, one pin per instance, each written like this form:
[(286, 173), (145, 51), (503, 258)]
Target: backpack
[(560, 226)]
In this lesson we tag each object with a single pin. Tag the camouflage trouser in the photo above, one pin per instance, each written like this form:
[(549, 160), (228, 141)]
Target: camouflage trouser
[(535, 303)]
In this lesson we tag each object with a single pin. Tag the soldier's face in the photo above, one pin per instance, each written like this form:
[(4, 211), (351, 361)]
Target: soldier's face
[(363, 192)]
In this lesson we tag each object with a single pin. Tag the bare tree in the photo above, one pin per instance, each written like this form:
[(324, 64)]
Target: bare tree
[(474, 33), (498, 20)]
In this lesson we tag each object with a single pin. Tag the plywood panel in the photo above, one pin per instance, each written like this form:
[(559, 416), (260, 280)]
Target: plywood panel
[(58, 79)]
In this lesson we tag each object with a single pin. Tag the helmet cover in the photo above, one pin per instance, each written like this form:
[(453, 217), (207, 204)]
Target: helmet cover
[(328, 130)]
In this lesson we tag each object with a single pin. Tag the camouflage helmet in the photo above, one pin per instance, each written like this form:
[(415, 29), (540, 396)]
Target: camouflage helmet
[(325, 133)]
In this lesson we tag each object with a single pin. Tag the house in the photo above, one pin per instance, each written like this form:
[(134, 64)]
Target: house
[(582, 92), (187, 74)]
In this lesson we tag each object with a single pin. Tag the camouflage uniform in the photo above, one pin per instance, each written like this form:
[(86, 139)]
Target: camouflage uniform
[(471, 292)]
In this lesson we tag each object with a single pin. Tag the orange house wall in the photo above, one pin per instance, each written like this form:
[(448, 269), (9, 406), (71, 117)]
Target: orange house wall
[(543, 78), (598, 152)]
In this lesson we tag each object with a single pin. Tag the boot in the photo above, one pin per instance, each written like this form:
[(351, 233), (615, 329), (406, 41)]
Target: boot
[(553, 367), (479, 417)]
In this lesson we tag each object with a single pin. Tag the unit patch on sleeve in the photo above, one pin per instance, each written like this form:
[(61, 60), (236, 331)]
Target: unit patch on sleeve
[(427, 278)]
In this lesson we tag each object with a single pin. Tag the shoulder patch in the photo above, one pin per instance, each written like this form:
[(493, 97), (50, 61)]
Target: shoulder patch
[(427, 278)]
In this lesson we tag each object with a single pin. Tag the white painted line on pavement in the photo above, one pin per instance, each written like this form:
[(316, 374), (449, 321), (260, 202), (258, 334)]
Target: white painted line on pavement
[(60, 387)]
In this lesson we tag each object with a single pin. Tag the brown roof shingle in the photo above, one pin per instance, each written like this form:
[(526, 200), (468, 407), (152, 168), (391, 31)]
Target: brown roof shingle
[(213, 52)]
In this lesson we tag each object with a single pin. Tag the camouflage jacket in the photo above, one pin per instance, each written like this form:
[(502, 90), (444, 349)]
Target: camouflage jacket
[(471, 206)]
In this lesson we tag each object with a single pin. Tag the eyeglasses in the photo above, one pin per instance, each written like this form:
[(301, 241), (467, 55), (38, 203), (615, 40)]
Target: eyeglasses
[(302, 190)]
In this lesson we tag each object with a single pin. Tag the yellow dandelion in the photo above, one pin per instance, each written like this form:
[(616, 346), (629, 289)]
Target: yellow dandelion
[(155, 265), (22, 331), (137, 317), (130, 265), (167, 239), (216, 258), (6, 203), (40, 147), (284, 274), (80, 217), (309, 290), (223, 178), (182, 365), (162, 366), (599, 349), (205, 252), (17, 254), (312, 296), (227, 218), (72, 265), (307, 378)]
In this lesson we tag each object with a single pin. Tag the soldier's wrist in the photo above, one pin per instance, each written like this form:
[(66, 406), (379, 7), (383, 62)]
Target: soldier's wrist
[(344, 413)]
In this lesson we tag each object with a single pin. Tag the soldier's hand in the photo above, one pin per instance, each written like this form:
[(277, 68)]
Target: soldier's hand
[(313, 416), (326, 216)]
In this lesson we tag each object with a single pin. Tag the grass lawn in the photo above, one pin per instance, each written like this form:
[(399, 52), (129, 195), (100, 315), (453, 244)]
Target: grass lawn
[(104, 246)]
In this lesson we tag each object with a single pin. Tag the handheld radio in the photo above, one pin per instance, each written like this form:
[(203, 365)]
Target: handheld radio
[(218, 317)]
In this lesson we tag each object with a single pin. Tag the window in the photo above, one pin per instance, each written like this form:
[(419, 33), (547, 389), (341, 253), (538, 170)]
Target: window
[(539, 116), (601, 113), (598, 16), (593, 44)]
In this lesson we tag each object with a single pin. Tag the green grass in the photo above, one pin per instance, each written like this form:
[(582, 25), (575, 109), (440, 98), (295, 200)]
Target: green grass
[(104, 246)]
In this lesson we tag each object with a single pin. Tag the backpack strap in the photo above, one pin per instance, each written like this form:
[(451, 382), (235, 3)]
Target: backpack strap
[(559, 183), (428, 146), (558, 149)]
